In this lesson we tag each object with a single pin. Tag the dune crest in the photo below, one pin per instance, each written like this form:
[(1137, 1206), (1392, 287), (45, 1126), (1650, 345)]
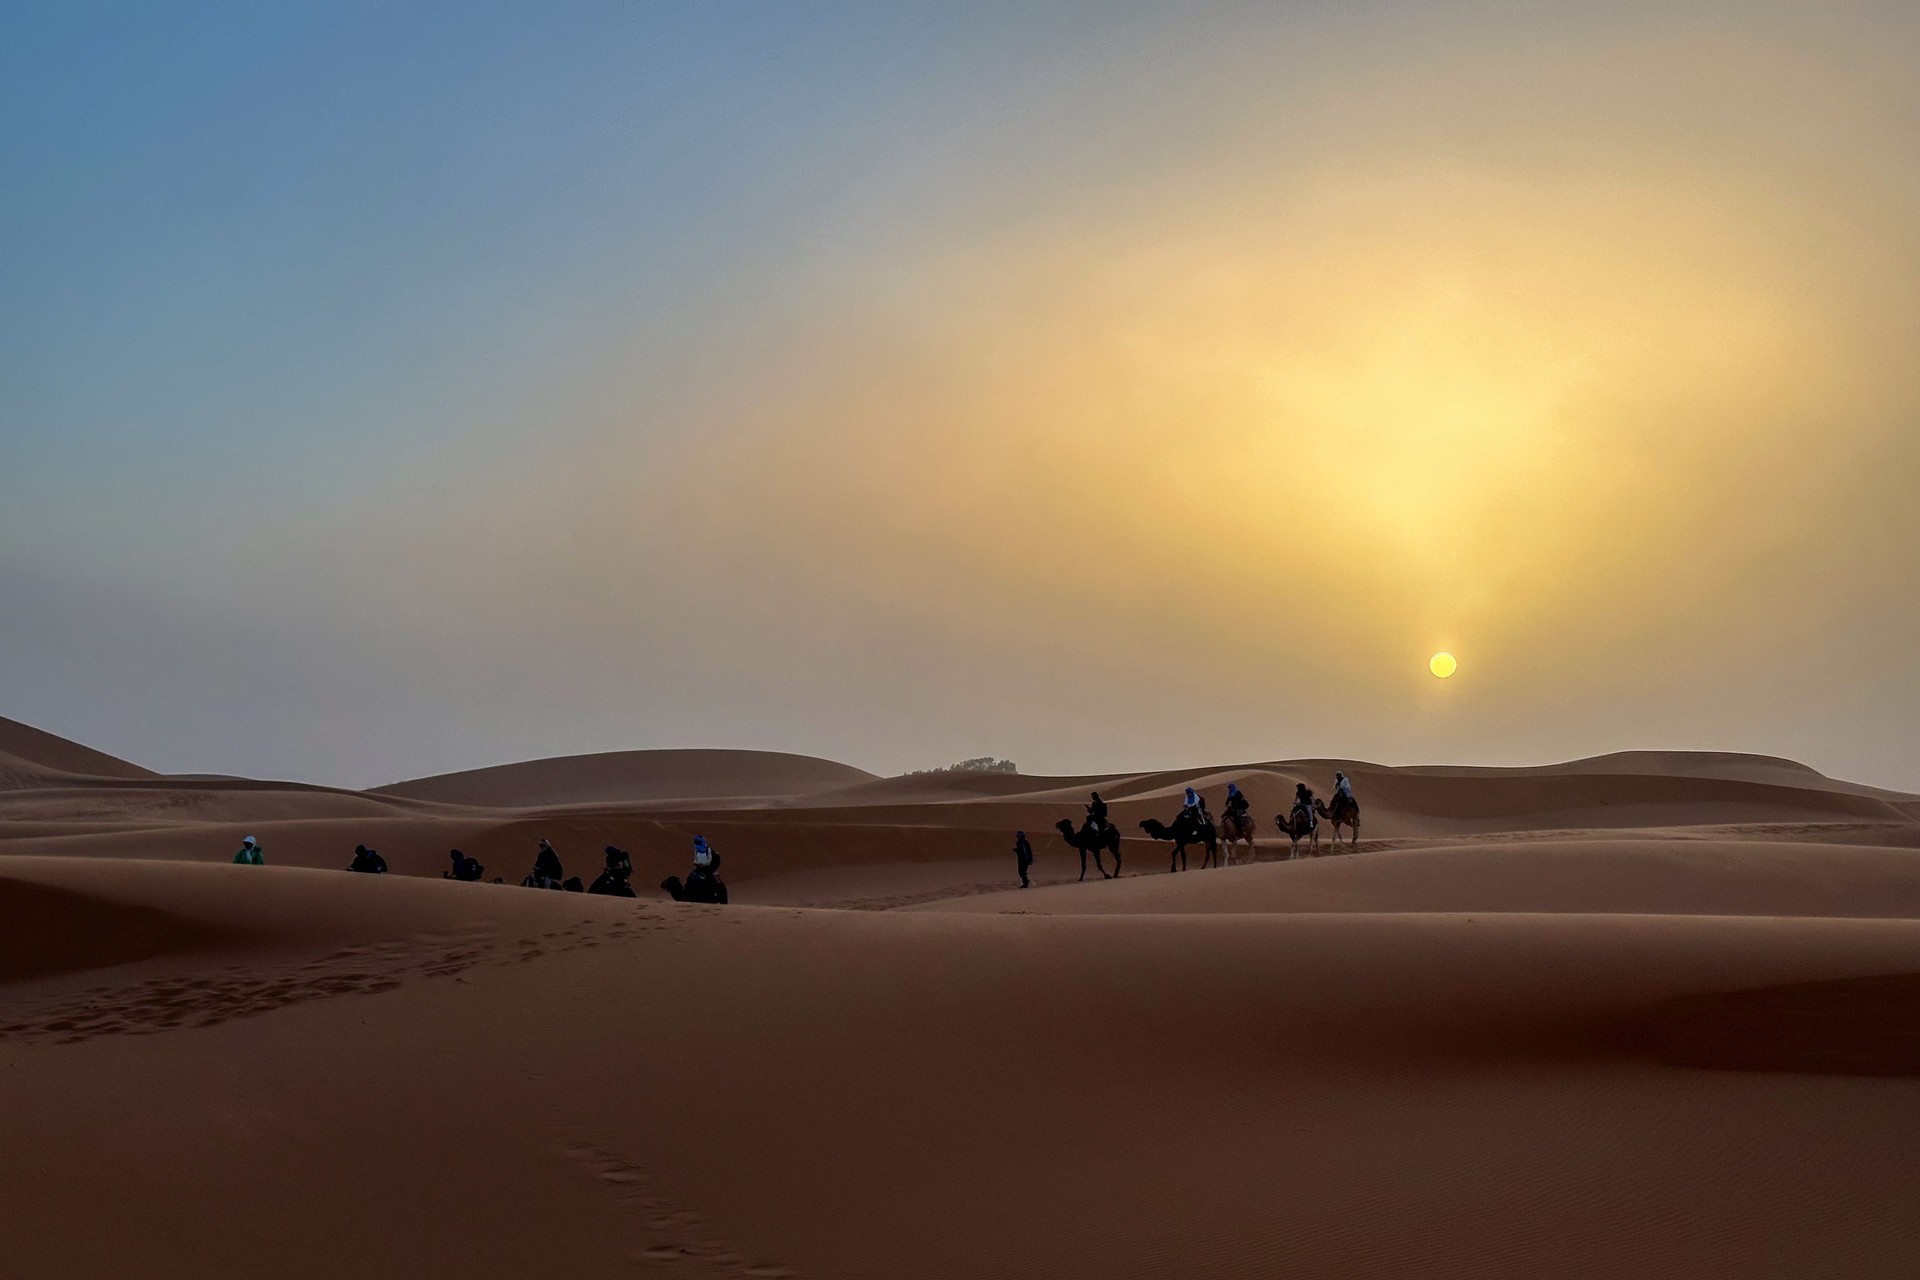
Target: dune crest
[(31, 757), (615, 777)]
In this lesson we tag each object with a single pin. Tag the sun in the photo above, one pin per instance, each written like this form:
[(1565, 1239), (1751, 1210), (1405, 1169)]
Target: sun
[(1442, 664)]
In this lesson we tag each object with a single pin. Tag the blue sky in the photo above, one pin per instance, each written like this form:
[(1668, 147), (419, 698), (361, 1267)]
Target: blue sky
[(388, 389)]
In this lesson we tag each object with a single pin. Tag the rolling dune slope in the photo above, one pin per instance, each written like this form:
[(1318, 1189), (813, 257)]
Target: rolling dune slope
[(632, 776), (414, 1078), (31, 757)]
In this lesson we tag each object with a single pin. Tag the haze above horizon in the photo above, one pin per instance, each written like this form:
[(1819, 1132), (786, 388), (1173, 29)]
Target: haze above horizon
[(392, 391)]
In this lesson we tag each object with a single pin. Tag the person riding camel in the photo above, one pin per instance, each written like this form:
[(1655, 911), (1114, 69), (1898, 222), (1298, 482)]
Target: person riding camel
[(1303, 806), (1194, 809), (613, 880), (464, 868), (547, 872), (1097, 813), (1236, 805), (1343, 790), (706, 862)]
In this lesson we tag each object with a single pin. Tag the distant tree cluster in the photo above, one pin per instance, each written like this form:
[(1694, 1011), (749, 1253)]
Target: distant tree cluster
[(979, 764)]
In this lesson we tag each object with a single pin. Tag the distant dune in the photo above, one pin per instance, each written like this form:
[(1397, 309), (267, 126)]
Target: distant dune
[(1650, 1014), (616, 777), (31, 757)]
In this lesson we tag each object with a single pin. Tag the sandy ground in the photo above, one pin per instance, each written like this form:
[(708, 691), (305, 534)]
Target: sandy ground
[(1648, 1016)]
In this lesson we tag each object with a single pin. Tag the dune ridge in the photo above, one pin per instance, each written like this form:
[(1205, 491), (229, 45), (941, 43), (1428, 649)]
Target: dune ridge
[(32, 758), (625, 776), (1648, 1014)]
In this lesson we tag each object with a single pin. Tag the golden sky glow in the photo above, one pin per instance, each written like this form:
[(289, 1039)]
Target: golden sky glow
[(1097, 390)]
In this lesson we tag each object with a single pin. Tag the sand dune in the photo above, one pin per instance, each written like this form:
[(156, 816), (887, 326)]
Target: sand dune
[(555, 1085), (622, 776), (31, 757), (1643, 1015)]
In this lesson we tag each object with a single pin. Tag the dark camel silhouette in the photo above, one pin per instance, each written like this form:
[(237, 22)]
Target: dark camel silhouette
[(696, 889), (1343, 813), (1183, 832), (1087, 840), (613, 883), (1297, 826)]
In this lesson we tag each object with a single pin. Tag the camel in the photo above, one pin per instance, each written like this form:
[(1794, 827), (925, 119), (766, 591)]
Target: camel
[(1090, 839), (1300, 825), (1236, 829), (1344, 813), (1183, 832), (696, 889)]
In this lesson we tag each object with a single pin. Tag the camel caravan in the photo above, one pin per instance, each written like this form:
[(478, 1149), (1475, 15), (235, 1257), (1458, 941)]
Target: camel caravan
[(1195, 826)]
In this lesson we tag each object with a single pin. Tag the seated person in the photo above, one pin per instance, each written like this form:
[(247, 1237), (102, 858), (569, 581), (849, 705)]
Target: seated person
[(365, 859), (1193, 810), (547, 872), (464, 868), (1097, 812), (706, 860)]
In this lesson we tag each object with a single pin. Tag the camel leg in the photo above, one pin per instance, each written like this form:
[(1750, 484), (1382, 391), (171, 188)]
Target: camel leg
[(1083, 864)]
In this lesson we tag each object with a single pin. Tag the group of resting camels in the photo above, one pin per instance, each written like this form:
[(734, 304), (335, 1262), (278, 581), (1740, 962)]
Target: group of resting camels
[(1234, 828)]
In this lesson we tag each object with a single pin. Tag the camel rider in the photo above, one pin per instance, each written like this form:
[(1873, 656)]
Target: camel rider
[(1236, 805), (547, 870), (1343, 790), (463, 868), (1302, 804), (705, 861), (1097, 812), (250, 855), (1194, 812)]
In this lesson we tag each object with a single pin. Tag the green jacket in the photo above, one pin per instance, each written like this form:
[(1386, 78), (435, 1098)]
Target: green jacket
[(250, 857)]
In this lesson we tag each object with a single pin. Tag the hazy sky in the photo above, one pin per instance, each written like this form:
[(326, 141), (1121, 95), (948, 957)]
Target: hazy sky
[(390, 389)]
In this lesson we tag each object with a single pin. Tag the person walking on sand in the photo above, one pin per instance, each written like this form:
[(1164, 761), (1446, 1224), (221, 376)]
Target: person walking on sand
[(250, 855), (1022, 857)]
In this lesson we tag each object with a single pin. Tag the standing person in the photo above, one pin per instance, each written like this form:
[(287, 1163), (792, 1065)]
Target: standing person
[(1022, 857), (250, 855)]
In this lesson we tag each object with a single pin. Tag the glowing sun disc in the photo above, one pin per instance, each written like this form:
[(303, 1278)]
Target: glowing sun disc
[(1443, 664)]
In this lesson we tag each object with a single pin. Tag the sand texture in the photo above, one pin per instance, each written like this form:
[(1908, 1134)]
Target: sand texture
[(1645, 1015)]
